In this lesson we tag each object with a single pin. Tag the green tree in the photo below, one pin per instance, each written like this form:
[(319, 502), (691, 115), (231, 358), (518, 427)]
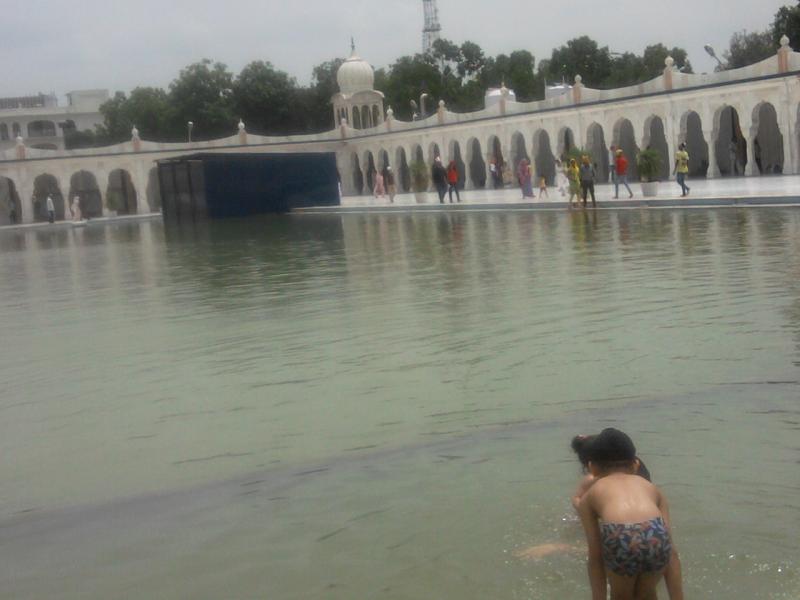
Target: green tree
[(147, 108), (323, 87), (115, 126), (80, 139), (515, 70), (472, 59), (654, 58), (747, 48), (787, 22), (406, 79), (267, 100), (447, 55), (626, 69), (202, 93), (580, 56)]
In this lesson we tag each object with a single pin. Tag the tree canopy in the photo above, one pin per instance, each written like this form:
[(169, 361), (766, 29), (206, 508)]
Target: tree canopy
[(270, 101)]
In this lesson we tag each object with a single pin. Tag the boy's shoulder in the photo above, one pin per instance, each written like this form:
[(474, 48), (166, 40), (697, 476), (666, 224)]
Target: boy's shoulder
[(622, 480)]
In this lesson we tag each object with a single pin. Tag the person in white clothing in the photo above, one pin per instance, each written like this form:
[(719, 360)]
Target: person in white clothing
[(51, 209)]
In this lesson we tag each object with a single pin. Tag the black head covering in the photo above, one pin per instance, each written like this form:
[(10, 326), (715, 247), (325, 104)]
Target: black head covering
[(611, 446)]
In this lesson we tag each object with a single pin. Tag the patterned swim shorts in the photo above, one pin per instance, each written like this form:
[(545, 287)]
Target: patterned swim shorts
[(636, 548)]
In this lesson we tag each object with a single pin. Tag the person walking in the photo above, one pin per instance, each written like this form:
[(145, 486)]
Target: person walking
[(496, 171), (452, 181), (391, 186), (51, 209), (621, 168), (379, 191), (733, 154), (587, 179), (439, 177), (525, 178), (574, 178), (612, 161), (562, 179), (681, 170), (543, 187), (75, 209)]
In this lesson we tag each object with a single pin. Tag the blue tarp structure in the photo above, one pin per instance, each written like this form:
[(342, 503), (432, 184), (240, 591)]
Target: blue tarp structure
[(214, 186)]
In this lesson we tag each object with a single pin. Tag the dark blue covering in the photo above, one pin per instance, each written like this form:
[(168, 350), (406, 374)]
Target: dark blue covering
[(238, 185)]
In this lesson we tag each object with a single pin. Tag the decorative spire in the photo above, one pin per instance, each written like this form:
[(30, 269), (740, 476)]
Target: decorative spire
[(352, 46)]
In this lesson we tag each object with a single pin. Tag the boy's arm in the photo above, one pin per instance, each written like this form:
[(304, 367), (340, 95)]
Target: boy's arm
[(583, 487), (597, 572), (673, 576)]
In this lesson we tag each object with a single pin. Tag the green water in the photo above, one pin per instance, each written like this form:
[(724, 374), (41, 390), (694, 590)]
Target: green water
[(380, 406)]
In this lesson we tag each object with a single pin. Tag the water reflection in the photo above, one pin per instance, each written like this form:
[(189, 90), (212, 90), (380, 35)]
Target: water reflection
[(401, 383)]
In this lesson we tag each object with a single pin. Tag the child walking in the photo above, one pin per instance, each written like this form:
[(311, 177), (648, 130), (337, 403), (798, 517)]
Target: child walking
[(543, 188), (626, 521)]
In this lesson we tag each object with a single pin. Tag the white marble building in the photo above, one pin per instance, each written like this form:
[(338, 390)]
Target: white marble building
[(738, 122), (357, 103), (42, 122)]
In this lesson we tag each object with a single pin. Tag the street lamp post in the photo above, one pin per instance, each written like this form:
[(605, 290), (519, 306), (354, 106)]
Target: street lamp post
[(189, 127), (713, 54), (422, 98)]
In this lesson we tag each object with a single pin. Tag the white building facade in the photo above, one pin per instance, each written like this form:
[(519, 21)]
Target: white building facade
[(42, 123), (742, 122)]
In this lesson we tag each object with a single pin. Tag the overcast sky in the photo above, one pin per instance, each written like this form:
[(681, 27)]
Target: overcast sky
[(60, 45)]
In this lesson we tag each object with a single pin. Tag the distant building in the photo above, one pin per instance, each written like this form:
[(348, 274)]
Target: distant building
[(554, 91), (357, 103), (42, 123), (494, 95)]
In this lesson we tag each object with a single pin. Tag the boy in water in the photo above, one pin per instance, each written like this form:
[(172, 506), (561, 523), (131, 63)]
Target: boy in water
[(581, 445), (626, 520)]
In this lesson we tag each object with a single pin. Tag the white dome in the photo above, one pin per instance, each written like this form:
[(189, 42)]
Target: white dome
[(355, 75)]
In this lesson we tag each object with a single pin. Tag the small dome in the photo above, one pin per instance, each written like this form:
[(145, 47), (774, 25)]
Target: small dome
[(355, 75)]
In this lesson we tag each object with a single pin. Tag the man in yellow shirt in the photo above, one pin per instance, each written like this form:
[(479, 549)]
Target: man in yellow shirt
[(682, 169)]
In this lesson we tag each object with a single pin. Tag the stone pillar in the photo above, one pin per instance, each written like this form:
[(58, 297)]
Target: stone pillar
[(577, 90), (139, 176), (242, 133), (783, 55), (24, 187), (440, 112), (21, 150), (672, 133), (101, 175), (135, 140), (749, 134), (713, 167), (669, 62), (750, 168), (787, 126)]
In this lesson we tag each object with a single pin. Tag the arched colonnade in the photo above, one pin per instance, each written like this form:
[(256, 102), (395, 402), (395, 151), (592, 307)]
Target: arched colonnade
[(97, 192), (731, 140)]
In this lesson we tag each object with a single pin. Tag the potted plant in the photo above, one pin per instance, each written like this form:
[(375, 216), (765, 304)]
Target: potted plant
[(419, 180), (649, 163)]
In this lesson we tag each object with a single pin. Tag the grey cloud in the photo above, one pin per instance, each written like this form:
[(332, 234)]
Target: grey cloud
[(119, 44)]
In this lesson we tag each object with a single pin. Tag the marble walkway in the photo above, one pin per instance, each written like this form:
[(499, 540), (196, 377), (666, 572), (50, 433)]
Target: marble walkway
[(739, 191)]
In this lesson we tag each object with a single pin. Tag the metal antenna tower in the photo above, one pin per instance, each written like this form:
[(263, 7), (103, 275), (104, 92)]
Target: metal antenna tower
[(432, 27)]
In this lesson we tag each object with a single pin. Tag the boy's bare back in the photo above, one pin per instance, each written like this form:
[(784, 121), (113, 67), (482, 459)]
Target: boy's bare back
[(624, 498)]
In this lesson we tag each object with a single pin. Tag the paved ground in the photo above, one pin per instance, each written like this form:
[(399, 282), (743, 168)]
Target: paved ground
[(739, 191), (96, 221), (715, 192)]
